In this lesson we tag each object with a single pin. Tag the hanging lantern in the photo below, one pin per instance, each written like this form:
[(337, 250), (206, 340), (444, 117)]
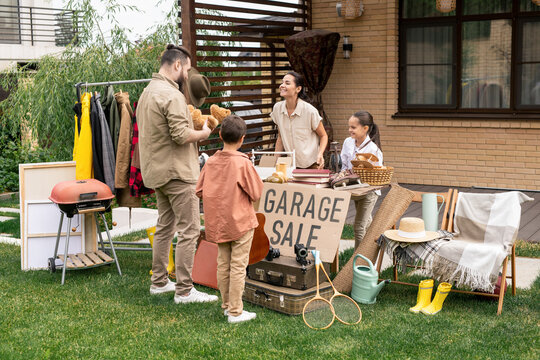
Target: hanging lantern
[(446, 6)]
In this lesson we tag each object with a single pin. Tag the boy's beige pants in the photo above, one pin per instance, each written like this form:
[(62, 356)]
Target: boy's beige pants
[(178, 209), (233, 258)]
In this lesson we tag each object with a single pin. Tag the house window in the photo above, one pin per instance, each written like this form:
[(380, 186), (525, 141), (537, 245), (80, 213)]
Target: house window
[(483, 57), (9, 22)]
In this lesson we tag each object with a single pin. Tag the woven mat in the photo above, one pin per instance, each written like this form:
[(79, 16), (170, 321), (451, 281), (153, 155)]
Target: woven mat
[(392, 208)]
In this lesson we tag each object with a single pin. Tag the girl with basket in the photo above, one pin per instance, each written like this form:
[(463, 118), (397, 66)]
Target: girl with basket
[(364, 139)]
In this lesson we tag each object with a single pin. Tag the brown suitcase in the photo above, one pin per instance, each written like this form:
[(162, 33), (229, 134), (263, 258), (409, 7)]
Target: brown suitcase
[(282, 299), (205, 264), (286, 271)]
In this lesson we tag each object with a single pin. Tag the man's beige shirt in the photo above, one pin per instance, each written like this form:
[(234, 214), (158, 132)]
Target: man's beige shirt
[(164, 125), (298, 131)]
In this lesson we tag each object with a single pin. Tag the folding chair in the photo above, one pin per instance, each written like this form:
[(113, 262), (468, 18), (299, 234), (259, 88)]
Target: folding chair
[(508, 208), (447, 223)]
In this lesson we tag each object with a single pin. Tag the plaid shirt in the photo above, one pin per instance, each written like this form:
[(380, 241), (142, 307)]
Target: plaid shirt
[(136, 184), (414, 253)]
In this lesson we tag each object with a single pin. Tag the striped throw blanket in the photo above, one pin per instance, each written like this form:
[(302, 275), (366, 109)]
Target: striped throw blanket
[(486, 227)]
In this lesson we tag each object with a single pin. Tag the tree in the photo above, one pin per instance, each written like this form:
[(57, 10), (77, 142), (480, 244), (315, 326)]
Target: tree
[(37, 120)]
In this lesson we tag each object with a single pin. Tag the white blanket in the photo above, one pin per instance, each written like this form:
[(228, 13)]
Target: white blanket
[(486, 227)]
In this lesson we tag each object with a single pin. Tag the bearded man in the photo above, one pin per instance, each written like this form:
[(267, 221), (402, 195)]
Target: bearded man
[(169, 164)]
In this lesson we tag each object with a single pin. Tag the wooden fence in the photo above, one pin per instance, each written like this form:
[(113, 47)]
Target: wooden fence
[(239, 46)]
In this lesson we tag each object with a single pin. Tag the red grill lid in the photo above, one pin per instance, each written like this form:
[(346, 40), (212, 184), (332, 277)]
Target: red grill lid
[(76, 191)]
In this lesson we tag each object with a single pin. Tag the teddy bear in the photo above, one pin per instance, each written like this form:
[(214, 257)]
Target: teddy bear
[(199, 119), (219, 113)]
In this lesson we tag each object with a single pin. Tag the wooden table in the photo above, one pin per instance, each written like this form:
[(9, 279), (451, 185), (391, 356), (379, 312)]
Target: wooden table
[(356, 192)]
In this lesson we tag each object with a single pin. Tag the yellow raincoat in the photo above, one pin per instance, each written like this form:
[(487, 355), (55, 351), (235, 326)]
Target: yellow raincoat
[(82, 149)]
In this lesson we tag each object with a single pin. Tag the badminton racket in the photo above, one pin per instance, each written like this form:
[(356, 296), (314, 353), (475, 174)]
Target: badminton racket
[(318, 312), (346, 309)]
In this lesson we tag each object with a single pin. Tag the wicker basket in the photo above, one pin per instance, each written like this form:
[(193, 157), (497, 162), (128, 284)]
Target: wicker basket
[(375, 176)]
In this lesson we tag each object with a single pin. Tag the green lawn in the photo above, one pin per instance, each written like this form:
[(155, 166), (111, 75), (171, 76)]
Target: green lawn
[(11, 201), (100, 315), (12, 226)]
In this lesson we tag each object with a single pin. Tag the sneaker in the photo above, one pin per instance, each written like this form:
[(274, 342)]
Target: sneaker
[(194, 296), (244, 316), (170, 287), (226, 312)]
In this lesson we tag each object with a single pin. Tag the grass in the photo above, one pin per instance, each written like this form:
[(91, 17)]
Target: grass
[(11, 202), (527, 249), (100, 315), (348, 232), (13, 226)]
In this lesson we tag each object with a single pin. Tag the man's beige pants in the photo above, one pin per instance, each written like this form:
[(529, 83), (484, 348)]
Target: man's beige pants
[(364, 206), (233, 258), (178, 209)]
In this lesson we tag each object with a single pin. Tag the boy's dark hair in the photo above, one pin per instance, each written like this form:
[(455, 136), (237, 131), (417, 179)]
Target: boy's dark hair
[(173, 53), (233, 127)]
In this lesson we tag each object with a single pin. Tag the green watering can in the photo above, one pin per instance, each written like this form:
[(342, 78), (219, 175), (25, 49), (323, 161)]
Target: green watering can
[(365, 288)]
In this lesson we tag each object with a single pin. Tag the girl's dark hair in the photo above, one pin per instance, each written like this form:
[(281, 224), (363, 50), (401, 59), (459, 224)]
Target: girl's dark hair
[(299, 81), (365, 119)]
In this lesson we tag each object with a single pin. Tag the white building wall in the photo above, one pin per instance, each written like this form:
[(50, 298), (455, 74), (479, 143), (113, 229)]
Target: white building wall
[(11, 54)]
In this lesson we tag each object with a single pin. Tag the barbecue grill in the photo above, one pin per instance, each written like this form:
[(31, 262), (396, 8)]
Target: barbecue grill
[(82, 197)]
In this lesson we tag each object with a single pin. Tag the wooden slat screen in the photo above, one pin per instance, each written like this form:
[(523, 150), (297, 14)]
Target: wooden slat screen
[(239, 46)]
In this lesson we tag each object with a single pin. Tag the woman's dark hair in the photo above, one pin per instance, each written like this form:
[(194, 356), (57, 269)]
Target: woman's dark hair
[(299, 81), (365, 119)]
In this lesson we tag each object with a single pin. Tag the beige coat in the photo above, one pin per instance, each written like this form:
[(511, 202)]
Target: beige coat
[(164, 125), (123, 153)]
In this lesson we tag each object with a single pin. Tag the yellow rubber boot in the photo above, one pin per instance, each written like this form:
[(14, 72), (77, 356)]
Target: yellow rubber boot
[(170, 267), (425, 288), (440, 295)]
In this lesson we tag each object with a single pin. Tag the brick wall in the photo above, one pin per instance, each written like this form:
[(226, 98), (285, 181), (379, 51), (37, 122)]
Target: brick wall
[(496, 153)]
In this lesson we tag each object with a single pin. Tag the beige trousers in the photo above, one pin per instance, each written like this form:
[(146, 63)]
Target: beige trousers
[(364, 206), (233, 258), (178, 209)]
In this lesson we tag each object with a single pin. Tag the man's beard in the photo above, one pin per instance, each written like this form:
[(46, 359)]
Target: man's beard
[(180, 83)]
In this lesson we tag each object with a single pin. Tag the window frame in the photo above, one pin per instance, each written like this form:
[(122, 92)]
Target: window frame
[(516, 18)]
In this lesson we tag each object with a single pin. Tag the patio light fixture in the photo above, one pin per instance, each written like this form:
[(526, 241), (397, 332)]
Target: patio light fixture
[(347, 47), (445, 6), (350, 9)]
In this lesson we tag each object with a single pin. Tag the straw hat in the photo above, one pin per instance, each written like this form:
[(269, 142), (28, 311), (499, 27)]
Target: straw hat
[(411, 230), (198, 87)]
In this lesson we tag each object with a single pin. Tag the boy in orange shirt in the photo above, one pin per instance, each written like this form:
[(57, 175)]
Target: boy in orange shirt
[(228, 185)]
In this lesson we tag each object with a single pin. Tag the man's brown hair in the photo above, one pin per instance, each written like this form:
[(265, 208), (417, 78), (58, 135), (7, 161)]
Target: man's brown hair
[(233, 128), (173, 53)]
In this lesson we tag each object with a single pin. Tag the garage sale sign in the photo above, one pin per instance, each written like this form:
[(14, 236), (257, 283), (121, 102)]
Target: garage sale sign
[(303, 214)]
